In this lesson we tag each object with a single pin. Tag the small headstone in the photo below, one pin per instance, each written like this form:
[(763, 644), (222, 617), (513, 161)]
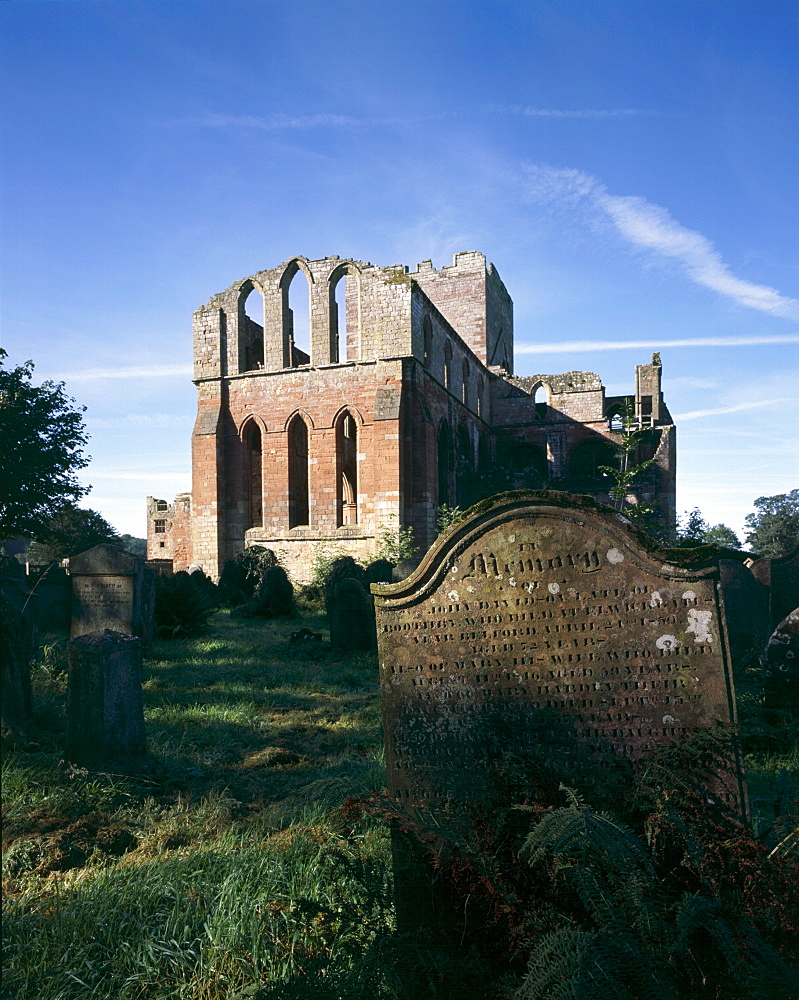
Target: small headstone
[(112, 589), (105, 715), (352, 617), (537, 622), (781, 669)]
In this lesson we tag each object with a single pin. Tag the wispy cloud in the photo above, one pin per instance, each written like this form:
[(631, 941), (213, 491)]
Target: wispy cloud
[(271, 123), (528, 112), (278, 122), (651, 227), (576, 346), (147, 371), (717, 411)]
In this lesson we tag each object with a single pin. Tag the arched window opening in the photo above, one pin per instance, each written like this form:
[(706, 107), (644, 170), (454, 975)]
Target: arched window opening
[(299, 297), (541, 400), (616, 422), (254, 457), (344, 319), (298, 472), (447, 366), (444, 465), (465, 383), (587, 461), (427, 341), (347, 448), (479, 400), (252, 334)]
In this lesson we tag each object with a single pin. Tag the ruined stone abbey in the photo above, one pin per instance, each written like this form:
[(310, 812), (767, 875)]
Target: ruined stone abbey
[(403, 400)]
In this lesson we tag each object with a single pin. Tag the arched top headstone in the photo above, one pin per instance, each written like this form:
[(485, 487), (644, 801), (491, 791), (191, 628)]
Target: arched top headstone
[(541, 610)]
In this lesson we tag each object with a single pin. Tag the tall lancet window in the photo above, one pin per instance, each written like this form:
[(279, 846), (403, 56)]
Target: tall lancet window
[(347, 440), (298, 472), (254, 456)]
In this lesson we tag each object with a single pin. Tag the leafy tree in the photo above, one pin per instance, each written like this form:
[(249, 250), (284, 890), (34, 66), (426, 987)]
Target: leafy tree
[(69, 531), (720, 534), (773, 529), (136, 546), (694, 530), (691, 530), (42, 436)]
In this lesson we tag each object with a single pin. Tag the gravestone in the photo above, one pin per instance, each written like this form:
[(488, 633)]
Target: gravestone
[(112, 589), (351, 617), (349, 607), (781, 576), (105, 715), (781, 670), (541, 621)]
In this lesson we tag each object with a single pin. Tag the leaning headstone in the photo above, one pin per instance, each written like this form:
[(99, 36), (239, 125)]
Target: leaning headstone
[(112, 589), (537, 622), (105, 715), (781, 670)]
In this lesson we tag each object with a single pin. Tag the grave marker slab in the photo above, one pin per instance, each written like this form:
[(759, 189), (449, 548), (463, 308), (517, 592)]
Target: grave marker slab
[(112, 589), (105, 714), (540, 621)]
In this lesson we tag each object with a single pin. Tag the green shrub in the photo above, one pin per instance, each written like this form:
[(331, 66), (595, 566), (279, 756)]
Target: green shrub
[(242, 575), (183, 604), (273, 597)]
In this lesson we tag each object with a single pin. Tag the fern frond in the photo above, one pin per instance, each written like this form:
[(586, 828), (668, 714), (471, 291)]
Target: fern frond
[(553, 970)]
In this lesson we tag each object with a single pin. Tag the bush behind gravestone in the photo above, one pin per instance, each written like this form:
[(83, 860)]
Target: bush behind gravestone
[(183, 603), (242, 575)]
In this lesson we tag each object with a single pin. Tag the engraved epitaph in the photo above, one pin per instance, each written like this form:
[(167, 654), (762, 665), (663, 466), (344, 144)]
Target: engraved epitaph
[(539, 621), (111, 589)]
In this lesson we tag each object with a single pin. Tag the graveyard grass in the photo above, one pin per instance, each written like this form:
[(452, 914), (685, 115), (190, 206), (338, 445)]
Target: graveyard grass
[(225, 864), (228, 864)]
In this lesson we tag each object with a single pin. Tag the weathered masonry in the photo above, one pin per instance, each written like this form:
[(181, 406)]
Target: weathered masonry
[(394, 396), (543, 622)]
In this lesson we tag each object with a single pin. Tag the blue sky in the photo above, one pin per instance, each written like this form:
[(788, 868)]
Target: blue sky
[(631, 168)]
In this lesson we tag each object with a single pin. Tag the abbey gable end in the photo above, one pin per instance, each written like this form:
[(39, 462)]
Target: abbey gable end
[(398, 396)]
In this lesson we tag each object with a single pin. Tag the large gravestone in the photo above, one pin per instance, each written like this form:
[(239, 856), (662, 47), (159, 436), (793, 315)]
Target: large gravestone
[(112, 589), (105, 715), (541, 621)]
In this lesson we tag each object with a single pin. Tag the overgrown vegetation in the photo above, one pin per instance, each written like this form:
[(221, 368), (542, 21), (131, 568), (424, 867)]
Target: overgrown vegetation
[(184, 603), (250, 857)]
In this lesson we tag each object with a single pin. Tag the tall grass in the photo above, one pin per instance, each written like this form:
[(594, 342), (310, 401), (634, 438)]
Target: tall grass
[(235, 869), (225, 866)]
